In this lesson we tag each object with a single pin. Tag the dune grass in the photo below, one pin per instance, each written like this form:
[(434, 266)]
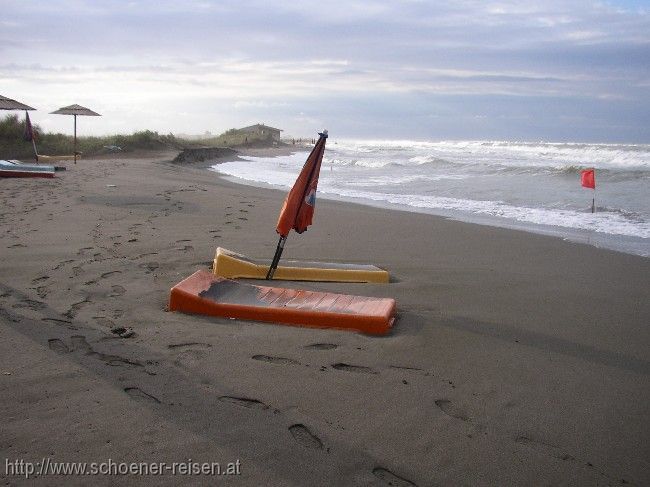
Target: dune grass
[(13, 145)]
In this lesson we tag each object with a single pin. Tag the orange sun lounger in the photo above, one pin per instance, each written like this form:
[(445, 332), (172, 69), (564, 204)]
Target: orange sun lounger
[(203, 293)]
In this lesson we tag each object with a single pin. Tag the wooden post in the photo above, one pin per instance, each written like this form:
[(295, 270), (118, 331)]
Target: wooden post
[(75, 139)]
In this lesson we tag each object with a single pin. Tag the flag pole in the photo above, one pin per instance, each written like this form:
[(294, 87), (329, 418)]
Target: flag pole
[(276, 258), (593, 202)]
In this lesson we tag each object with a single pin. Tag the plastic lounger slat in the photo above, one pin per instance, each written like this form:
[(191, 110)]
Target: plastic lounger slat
[(203, 293)]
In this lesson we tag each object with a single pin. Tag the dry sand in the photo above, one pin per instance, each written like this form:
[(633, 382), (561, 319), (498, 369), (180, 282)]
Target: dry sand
[(517, 359)]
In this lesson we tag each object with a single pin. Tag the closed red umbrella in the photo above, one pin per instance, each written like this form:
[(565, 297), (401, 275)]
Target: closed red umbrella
[(298, 209)]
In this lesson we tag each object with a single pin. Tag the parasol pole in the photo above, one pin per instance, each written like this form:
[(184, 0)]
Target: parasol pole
[(276, 258), (75, 138), (33, 140), (35, 151)]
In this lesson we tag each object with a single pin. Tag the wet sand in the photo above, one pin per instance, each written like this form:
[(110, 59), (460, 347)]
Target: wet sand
[(517, 359)]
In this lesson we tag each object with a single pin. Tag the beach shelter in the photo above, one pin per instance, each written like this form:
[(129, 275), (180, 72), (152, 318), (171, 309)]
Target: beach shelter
[(298, 208), (9, 104), (76, 110)]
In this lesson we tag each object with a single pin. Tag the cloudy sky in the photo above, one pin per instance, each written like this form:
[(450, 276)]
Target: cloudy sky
[(560, 70)]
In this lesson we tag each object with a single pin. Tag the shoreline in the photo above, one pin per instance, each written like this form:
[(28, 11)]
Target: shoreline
[(516, 358), (615, 242)]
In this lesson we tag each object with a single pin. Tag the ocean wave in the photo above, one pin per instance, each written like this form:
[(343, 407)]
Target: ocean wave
[(608, 222), (517, 154), (475, 178)]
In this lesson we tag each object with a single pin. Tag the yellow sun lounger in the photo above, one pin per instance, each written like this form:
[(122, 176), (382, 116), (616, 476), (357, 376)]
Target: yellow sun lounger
[(236, 266), (42, 158)]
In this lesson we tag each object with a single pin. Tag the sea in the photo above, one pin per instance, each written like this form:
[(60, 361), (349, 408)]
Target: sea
[(529, 186)]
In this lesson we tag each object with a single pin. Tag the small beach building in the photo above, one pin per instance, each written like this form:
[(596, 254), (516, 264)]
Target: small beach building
[(262, 131)]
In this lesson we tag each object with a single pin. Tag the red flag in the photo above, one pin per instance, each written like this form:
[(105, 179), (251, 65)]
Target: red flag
[(298, 208), (28, 135), (588, 178)]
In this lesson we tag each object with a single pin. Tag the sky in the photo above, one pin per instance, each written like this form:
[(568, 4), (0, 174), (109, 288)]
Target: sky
[(557, 70)]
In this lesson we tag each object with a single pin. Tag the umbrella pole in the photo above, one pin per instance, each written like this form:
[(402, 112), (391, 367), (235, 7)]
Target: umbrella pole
[(75, 139), (35, 151), (276, 258)]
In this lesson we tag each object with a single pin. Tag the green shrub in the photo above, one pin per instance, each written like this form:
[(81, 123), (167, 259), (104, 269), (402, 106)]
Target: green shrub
[(13, 146)]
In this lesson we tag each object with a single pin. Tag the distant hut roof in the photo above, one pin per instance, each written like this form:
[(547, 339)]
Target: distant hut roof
[(9, 104), (259, 126), (76, 110)]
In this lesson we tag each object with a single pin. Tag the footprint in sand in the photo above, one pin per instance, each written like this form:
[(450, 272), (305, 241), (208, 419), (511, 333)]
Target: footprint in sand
[(391, 479), (275, 360), (190, 353), (79, 343), (547, 448), (58, 346), (305, 437), (139, 395), (116, 291), (123, 331), (109, 273), (359, 369), (189, 345), (150, 266), (244, 402), (405, 367), (450, 409), (75, 307), (103, 321), (60, 322), (61, 264), (30, 304), (321, 346)]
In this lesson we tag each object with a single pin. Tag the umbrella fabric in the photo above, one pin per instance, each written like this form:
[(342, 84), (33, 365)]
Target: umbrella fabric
[(9, 104), (298, 208), (28, 135)]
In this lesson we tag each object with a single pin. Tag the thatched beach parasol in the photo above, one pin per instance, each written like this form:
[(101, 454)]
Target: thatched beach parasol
[(9, 104), (76, 110)]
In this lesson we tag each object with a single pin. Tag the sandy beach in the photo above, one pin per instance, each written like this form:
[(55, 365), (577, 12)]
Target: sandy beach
[(516, 359)]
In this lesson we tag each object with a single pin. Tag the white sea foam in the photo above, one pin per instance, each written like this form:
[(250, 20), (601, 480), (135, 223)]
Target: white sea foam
[(536, 184)]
